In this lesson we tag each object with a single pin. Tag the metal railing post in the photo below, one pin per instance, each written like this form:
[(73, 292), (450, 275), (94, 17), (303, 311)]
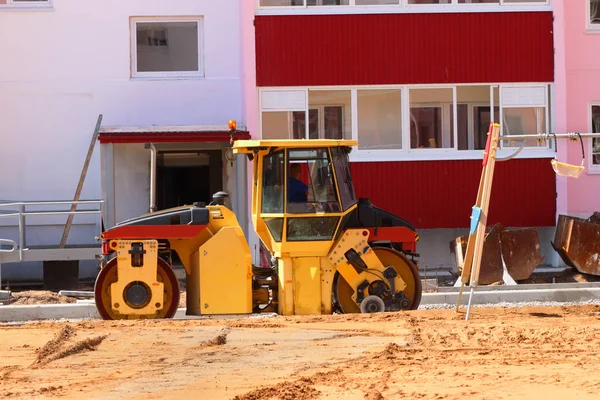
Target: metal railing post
[(21, 230), (14, 247)]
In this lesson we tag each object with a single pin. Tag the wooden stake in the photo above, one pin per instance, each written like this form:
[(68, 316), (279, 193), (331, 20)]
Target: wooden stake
[(472, 260), (86, 164)]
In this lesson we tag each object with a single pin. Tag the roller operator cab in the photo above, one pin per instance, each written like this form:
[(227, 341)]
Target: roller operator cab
[(331, 251)]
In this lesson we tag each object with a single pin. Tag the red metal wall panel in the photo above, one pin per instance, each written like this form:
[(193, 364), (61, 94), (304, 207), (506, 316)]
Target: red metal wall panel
[(441, 194), (313, 50)]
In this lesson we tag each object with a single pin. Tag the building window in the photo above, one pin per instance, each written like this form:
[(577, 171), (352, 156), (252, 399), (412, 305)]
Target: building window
[(166, 47), (524, 121), (524, 112), (595, 142), (281, 3), (284, 115), (411, 122), (593, 13), (329, 114), (429, 123), (324, 122), (26, 3), (398, 3), (304, 3), (379, 119), (327, 2), (376, 2)]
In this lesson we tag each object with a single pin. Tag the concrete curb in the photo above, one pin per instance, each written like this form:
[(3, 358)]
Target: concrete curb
[(529, 286), (514, 296), (87, 310)]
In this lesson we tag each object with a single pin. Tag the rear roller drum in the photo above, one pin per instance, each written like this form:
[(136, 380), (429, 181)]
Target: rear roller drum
[(136, 293), (404, 267)]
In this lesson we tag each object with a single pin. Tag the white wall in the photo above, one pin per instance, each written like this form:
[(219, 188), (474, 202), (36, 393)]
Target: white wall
[(132, 181), (59, 69)]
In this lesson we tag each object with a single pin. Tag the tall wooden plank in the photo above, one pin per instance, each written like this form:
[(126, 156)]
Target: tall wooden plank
[(84, 170)]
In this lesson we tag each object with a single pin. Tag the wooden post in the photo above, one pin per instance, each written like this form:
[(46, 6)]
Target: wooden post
[(86, 164), (474, 252)]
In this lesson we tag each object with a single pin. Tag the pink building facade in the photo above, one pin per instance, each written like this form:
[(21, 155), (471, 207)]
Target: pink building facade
[(577, 41)]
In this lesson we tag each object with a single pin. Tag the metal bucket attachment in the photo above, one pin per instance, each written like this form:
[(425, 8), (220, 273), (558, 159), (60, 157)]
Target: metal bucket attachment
[(521, 251), (518, 248), (491, 260), (577, 241), (594, 218)]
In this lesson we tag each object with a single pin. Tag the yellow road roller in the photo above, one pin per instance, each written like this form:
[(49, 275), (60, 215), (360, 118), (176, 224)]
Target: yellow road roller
[(331, 252)]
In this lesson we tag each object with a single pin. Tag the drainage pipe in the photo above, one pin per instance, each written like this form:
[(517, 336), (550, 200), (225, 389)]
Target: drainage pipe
[(152, 178)]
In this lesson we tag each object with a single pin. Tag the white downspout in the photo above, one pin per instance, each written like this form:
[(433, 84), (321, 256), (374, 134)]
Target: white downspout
[(152, 178)]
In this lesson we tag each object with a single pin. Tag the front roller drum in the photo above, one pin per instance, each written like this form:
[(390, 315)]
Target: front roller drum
[(135, 293), (409, 273)]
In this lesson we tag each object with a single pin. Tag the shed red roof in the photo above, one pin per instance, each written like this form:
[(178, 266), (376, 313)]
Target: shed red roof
[(171, 136)]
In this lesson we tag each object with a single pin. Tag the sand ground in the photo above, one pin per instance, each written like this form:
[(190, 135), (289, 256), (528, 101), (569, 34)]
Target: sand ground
[(535, 353)]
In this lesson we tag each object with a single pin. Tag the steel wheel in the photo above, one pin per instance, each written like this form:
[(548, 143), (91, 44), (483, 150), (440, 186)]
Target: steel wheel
[(406, 269), (108, 275)]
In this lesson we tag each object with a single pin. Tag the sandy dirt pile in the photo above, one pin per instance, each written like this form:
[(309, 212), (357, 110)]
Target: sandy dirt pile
[(39, 297), (541, 352)]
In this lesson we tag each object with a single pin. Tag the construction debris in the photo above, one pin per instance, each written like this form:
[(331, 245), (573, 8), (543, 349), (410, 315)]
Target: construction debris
[(38, 297), (521, 251), (516, 249), (77, 293), (577, 241)]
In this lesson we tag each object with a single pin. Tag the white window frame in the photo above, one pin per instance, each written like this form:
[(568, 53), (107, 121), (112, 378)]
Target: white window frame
[(589, 27), (19, 5), (406, 153), (404, 130), (546, 107), (289, 110), (403, 7), (166, 74), (445, 118), (592, 168), (525, 3), (321, 119), (471, 120)]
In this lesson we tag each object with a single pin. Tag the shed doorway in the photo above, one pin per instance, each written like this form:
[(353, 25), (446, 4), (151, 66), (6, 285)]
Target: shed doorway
[(186, 177)]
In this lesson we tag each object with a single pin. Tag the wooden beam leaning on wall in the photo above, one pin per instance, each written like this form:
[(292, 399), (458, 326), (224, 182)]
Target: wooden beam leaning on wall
[(473, 255)]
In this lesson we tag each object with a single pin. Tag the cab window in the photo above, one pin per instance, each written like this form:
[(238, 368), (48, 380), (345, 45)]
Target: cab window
[(272, 189), (310, 182), (344, 178)]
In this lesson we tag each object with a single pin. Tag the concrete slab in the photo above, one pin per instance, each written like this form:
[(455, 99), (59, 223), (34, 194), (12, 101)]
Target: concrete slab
[(538, 286), (83, 309)]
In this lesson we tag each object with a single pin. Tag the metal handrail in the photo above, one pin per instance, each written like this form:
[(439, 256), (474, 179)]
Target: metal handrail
[(7, 242), (14, 247), (21, 214), (49, 203), (50, 213)]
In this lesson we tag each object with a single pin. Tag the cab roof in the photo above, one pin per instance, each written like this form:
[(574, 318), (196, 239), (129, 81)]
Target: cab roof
[(247, 146)]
